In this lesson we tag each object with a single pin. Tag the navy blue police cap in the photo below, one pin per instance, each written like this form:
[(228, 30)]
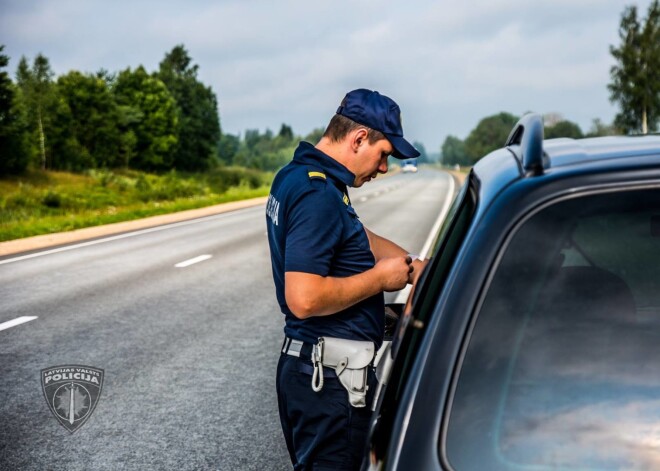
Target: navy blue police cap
[(380, 113)]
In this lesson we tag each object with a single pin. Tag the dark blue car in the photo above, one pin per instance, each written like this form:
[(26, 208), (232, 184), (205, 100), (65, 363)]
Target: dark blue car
[(532, 341)]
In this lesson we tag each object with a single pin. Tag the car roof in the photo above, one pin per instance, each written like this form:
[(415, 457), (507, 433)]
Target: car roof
[(528, 158), (568, 152)]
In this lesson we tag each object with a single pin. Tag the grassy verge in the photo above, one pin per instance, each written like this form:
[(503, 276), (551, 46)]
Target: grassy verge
[(46, 202)]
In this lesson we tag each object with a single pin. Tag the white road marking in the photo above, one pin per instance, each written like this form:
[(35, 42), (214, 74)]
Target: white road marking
[(441, 218), (402, 296), (17, 321), (192, 261)]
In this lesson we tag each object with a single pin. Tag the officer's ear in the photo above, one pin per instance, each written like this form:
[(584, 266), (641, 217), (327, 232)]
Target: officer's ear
[(360, 136)]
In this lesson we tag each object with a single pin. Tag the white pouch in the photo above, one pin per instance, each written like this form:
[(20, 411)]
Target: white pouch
[(350, 360)]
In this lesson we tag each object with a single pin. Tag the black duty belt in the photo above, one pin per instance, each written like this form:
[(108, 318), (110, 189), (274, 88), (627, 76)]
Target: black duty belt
[(297, 348)]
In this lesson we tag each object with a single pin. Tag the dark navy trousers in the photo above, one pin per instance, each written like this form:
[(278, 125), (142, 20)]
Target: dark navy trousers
[(322, 430)]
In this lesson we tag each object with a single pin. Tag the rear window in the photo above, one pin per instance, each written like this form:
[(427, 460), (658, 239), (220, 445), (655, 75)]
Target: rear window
[(562, 369)]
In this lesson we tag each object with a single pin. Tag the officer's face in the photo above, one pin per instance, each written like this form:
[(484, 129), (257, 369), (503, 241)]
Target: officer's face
[(372, 161)]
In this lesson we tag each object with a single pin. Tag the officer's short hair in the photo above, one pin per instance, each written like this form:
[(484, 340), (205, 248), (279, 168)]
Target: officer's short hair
[(340, 126)]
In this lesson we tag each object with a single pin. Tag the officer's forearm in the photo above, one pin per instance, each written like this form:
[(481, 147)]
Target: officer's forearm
[(309, 295), (382, 247)]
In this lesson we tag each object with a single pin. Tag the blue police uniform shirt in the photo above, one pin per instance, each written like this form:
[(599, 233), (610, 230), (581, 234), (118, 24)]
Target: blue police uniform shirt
[(313, 228)]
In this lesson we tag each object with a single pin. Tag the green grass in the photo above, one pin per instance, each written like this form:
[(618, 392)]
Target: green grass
[(47, 202)]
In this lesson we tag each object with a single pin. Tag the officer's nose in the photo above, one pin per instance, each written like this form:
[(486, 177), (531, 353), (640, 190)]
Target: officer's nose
[(382, 168)]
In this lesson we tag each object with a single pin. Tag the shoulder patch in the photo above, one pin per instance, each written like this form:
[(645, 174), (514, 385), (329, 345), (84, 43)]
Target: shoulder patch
[(319, 175)]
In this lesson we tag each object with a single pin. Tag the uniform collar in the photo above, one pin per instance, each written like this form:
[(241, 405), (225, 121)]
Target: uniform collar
[(307, 154)]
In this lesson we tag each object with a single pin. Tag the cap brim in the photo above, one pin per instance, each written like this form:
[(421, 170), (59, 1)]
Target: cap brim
[(402, 148)]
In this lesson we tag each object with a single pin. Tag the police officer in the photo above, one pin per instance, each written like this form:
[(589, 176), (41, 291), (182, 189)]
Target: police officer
[(330, 273)]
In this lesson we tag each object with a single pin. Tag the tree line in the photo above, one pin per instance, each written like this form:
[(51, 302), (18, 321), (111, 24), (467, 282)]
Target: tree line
[(155, 122), (491, 133), (168, 119), (634, 86)]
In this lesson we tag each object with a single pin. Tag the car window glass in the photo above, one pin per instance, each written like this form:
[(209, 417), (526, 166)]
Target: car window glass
[(407, 338), (562, 368), (446, 246)]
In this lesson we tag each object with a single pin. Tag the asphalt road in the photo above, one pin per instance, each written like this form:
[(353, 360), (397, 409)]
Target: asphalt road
[(189, 353)]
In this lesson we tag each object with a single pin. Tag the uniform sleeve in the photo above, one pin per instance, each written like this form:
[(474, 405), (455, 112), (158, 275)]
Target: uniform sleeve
[(314, 230)]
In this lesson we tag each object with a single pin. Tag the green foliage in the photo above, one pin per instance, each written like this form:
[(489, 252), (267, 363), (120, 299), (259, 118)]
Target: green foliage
[(635, 78), (228, 147), (286, 133), (147, 120), (423, 156), (265, 151), (52, 199), (453, 152), (563, 128), (598, 128), (168, 187), (14, 144), (88, 116), (222, 179), (38, 97), (197, 110), (135, 120), (490, 134), (314, 136), (39, 202)]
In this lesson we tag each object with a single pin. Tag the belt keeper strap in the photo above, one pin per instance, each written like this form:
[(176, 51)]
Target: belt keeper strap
[(292, 347)]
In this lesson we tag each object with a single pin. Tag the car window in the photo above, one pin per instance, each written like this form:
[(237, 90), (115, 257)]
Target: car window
[(444, 251), (562, 367), (407, 338)]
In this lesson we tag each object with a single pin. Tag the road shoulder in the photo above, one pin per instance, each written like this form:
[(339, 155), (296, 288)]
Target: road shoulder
[(28, 244)]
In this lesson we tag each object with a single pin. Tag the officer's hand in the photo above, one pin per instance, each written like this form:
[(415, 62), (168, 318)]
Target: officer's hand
[(394, 272)]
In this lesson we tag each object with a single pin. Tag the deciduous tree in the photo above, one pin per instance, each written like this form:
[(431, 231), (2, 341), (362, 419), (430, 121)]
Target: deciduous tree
[(147, 120), (14, 145), (228, 148), (38, 94), (199, 124), (635, 78), (563, 128), (490, 134), (598, 128), (88, 113), (453, 151)]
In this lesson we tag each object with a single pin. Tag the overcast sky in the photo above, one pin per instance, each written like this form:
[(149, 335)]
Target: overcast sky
[(448, 63)]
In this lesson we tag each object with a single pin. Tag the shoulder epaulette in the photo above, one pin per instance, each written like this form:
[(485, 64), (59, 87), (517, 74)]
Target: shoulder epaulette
[(313, 175)]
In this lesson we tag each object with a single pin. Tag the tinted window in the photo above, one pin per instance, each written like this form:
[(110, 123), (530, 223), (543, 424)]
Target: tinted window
[(408, 338), (562, 369), (443, 254)]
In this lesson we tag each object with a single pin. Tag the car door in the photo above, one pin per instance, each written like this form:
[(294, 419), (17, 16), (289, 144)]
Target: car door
[(560, 367)]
